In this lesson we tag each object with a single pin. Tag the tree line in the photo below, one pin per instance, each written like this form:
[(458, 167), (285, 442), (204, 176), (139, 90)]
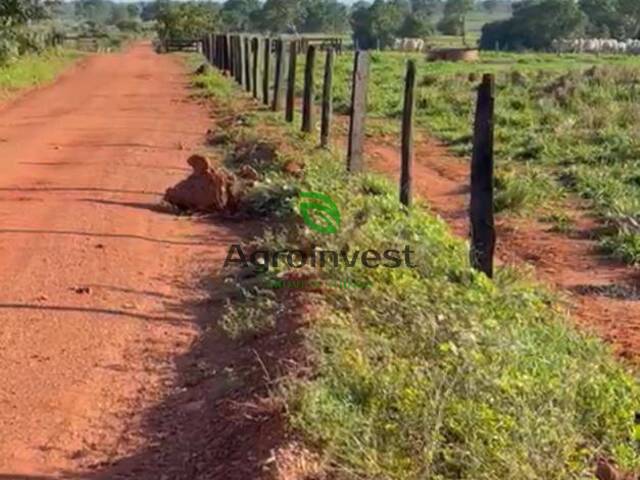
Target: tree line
[(536, 23), (372, 24)]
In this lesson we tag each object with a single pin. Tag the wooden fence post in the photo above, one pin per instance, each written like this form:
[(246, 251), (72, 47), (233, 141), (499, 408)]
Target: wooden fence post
[(255, 47), (214, 49), (358, 111), (205, 49), (307, 96), (241, 57), (232, 56), (327, 99), (483, 235), (265, 71), (278, 98), (219, 55), (227, 54), (247, 64), (407, 134), (291, 81)]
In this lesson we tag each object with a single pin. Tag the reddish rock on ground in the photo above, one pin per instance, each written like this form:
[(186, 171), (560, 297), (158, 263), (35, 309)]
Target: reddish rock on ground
[(207, 189)]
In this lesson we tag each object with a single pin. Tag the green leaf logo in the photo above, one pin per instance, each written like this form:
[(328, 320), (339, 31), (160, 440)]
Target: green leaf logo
[(319, 212)]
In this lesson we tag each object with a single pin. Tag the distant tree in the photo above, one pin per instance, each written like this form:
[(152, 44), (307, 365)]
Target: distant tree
[(415, 26), (534, 25), (630, 12), (186, 20), (328, 16), (360, 20), (280, 15), (604, 18), (425, 7), (96, 11), (150, 10), (238, 15), (490, 5), (16, 12), (386, 19), (454, 18)]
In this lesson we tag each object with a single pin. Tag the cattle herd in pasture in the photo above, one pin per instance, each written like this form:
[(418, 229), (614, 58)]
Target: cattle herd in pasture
[(597, 45)]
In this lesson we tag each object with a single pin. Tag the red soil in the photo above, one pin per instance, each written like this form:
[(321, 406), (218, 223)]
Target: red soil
[(602, 293), (107, 370)]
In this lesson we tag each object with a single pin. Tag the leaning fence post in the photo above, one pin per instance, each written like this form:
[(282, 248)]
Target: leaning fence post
[(327, 99), (265, 71), (483, 235), (307, 97), (291, 81), (407, 134), (276, 105), (255, 47), (358, 111), (247, 64)]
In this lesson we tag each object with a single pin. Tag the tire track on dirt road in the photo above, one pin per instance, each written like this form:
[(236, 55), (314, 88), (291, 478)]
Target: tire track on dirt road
[(97, 295)]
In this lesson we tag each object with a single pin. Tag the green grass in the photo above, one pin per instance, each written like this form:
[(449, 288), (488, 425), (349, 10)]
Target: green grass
[(34, 70), (564, 124), (435, 371)]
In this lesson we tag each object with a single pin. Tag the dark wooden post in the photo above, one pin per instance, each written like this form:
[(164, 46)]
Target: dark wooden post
[(358, 111), (291, 81), (241, 58), (205, 48), (407, 134), (227, 53), (265, 71), (278, 98), (255, 47), (483, 235), (327, 99), (233, 71), (221, 53), (214, 49), (307, 96), (247, 64)]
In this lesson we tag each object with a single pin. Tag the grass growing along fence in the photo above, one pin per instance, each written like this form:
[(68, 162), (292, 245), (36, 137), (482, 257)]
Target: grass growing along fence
[(33, 70), (564, 124), (432, 372)]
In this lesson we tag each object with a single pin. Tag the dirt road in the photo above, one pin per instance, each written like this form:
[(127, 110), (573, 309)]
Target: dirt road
[(96, 293)]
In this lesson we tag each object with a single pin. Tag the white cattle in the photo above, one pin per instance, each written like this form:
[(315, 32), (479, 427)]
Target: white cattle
[(597, 45), (408, 44)]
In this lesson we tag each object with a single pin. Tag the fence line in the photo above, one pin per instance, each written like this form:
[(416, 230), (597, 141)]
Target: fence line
[(239, 56)]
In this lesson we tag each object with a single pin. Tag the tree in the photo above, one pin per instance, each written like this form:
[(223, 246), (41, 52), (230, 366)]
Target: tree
[(454, 18), (281, 15), (415, 26), (534, 25), (237, 15), (329, 16), (425, 8), (386, 18), (490, 5), (604, 18), (17, 12), (360, 20), (186, 20)]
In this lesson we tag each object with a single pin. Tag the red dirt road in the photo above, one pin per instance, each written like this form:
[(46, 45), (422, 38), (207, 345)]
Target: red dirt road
[(96, 300)]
